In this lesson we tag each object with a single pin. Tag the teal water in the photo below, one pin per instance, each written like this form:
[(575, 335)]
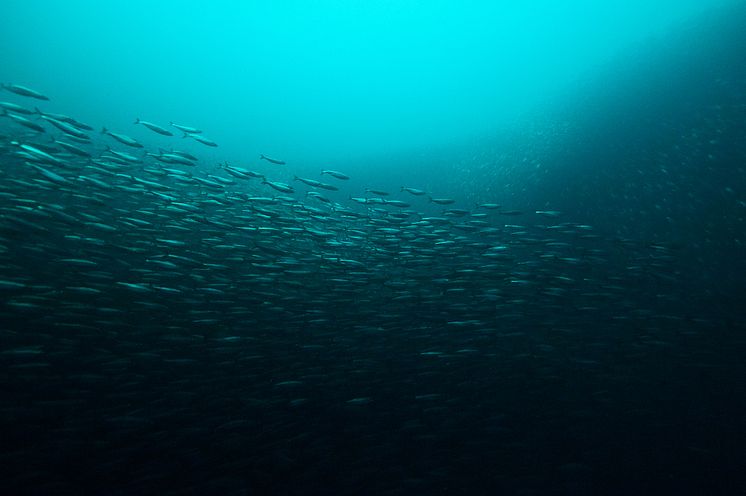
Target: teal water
[(326, 81)]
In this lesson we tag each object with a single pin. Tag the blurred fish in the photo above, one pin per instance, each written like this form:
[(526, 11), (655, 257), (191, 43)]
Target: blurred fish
[(271, 160), (66, 128), (24, 91), (186, 129), (336, 174), (123, 139), (201, 139), (282, 187), (413, 191), (63, 118), (154, 127), (23, 121), (16, 109)]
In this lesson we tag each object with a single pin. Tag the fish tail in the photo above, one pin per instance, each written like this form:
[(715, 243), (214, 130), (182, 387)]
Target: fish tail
[(186, 135), (137, 120), (262, 157), (103, 130), (37, 111)]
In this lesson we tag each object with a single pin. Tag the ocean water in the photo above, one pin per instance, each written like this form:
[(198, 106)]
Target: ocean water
[(391, 248)]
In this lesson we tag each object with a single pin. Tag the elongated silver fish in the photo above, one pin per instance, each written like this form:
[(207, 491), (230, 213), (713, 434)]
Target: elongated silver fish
[(15, 108), (282, 187), (123, 139), (336, 174), (154, 127), (201, 139), (24, 91), (23, 121), (271, 160), (413, 191), (186, 129)]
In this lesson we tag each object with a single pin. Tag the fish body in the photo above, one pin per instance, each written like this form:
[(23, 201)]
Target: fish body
[(201, 139), (443, 201), (377, 192), (123, 139), (336, 174), (271, 160), (16, 109), (66, 128), (154, 127), (186, 129), (413, 191), (281, 187), (24, 91), (24, 122)]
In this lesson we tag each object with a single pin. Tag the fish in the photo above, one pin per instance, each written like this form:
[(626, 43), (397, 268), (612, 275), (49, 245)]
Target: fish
[(186, 129), (549, 213), (123, 139), (154, 127), (443, 201), (397, 203), (24, 91), (66, 128), (180, 153), (413, 191), (63, 118), (271, 160), (126, 157), (336, 174), (15, 108), (36, 153), (282, 187), (201, 139), (24, 121), (172, 158), (69, 147), (309, 182)]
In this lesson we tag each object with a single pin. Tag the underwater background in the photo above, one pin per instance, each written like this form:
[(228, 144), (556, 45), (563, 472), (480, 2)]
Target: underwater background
[(377, 247)]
